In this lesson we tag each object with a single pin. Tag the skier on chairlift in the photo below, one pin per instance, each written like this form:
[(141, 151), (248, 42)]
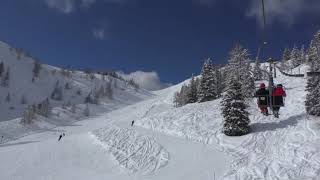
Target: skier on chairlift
[(263, 99), (278, 95)]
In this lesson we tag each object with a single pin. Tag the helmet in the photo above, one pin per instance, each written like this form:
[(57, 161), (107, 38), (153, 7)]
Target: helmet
[(262, 85), (279, 85)]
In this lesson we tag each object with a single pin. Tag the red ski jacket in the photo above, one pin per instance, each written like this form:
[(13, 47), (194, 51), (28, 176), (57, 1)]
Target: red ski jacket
[(278, 91)]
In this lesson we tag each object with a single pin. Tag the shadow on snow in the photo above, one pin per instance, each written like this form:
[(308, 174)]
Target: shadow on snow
[(272, 126), (18, 143)]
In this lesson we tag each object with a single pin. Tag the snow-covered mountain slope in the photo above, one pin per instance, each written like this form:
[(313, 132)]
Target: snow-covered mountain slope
[(173, 143), (75, 86), (284, 148)]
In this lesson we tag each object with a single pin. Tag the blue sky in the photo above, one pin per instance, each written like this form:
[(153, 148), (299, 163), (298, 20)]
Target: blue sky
[(171, 37)]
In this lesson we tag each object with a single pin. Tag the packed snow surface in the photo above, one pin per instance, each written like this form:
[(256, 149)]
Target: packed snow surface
[(131, 150), (172, 143)]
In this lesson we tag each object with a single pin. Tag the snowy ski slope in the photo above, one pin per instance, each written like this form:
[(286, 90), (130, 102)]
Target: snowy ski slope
[(20, 84), (180, 143)]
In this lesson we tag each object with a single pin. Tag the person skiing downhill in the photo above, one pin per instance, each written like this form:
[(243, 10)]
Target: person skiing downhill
[(263, 99), (60, 137), (277, 99)]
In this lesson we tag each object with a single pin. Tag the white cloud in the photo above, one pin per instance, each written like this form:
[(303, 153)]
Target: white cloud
[(64, 6), (98, 33), (284, 11), (68, 6), (146, 80)]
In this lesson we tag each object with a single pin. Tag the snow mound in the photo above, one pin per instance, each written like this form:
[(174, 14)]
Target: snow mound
[(197, 122), (137, 153)]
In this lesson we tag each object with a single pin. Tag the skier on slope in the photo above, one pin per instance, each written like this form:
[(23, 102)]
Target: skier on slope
[(60, 137), (263, 99), (277, 99)]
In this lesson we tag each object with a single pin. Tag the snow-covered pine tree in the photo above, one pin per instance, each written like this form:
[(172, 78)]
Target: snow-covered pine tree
[(181, 97), (220, 85), (257, 72), (1, 69), (236, 117), (176, 99), (286, 55), (239, 67), (295, 57), (57, 93), (285, 60), (312, 102), (192, 93), (248, 86), (207, 90), (184, 94), (303, 58)]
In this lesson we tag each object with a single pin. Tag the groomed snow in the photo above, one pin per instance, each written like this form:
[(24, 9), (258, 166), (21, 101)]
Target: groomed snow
[(135, 152)]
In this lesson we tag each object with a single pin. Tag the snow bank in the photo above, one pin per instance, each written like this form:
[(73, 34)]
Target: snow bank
[(197, 122), (132, 151)]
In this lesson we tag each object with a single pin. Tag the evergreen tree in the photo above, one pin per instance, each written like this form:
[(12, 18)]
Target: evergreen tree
[(312, 102), (181, 97), (286, 55), (303, 58), (238, 67), (192, 95), (219, 82), (208, 84), (176, 99), (236, 117), (57, 93), (257, 72), (295, 57)]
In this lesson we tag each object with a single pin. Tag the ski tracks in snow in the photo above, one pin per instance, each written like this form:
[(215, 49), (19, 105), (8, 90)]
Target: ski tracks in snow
[(137, 153), (284, 148)]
